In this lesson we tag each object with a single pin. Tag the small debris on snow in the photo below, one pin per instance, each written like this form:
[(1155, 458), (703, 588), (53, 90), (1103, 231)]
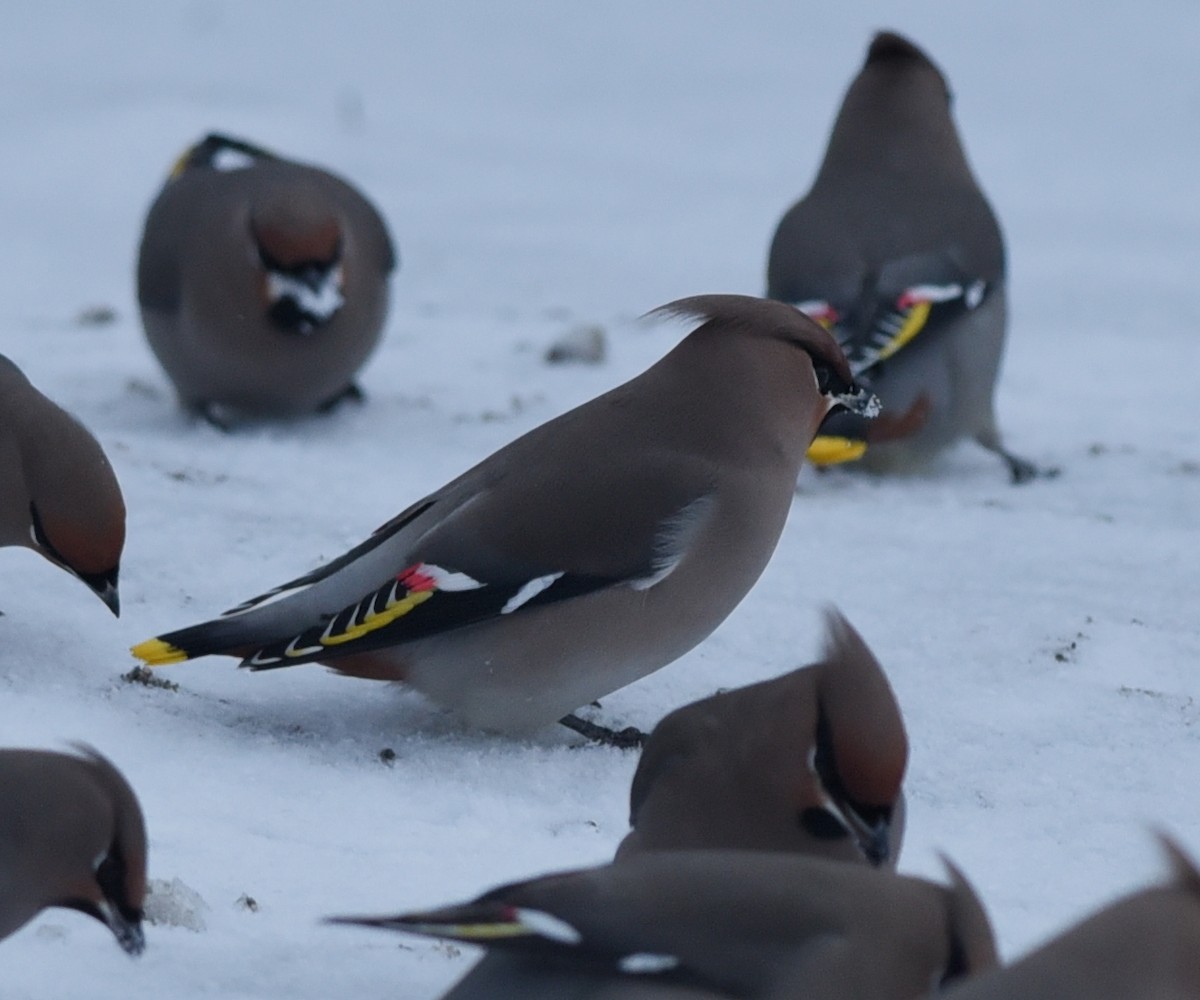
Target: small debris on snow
[(96, 316), (175, 904), (1066, 652), (148, 678), (585, 345), (388, 756), (246, 902)]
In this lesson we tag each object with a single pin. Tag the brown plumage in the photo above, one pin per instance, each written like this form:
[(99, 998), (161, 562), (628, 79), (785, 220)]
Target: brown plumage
[(747, 924), (58, 493), (584, 555), (263, 283), (896, 249), (811, 762), (71, 835), (1143, 947)]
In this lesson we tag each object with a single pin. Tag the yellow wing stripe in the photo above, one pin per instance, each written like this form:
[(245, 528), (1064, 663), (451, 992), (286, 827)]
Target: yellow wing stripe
[(912, 326), (396, 608)]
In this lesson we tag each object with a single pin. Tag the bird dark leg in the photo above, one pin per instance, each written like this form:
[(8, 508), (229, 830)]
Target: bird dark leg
[(624, 739), (212, 414), (352, 393)]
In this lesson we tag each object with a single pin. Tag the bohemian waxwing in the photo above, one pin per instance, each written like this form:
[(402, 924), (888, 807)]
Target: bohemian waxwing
[(809, 762), (896, 250), (748, 924), (1143, 947), (71, 834), (58, 493), (584, 555), (263, 283)]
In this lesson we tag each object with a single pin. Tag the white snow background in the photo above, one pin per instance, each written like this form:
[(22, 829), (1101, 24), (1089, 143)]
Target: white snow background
[(544, 166)]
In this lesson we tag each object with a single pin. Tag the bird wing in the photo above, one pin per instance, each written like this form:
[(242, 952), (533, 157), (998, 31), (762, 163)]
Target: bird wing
[(487, 560), (488, 545), (910, 295), (502, 927)]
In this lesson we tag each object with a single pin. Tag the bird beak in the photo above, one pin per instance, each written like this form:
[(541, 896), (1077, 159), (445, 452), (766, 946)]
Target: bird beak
[(107, 592), (874, 839), (128, 932), (861, 401)]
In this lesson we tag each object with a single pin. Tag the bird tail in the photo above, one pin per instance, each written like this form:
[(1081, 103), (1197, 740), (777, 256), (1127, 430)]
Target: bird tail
[(221, 636)]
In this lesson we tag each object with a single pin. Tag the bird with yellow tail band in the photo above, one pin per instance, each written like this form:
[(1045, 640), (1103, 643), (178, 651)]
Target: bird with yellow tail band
[(710, 925), (896, 250), (582, 556)]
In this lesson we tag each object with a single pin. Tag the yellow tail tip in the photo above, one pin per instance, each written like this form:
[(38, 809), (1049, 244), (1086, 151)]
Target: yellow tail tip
[(827, 449), (156, 653)]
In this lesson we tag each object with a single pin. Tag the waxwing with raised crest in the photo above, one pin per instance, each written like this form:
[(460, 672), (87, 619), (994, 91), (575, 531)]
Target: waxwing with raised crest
[(593, 550), (810, 762), (1144, 946)]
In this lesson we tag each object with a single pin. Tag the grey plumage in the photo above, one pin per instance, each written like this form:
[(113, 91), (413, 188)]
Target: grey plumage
[(811, 762), (71, 835), (585, 554), (1145, 946), (501, 975), (746, 924), (58, 493), (263, 283), (896, 249)]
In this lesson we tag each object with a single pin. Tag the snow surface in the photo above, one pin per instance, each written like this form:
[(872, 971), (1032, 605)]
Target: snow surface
[(545, 166)]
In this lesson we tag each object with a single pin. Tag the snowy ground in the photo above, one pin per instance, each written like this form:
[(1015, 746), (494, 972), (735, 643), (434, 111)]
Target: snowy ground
[(548, 165)]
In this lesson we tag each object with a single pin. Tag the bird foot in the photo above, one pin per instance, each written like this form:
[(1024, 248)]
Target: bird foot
[(1023, 471), (628, 738), (213, 414), (351, 394), (1020, 470)]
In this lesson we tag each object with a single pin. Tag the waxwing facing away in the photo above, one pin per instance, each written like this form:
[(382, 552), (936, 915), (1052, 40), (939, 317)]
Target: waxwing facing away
[(896, 250), (1145, 946), (809, 762), (263, 283), (58, 493), (72, 835), (584, 555), (745, 924)]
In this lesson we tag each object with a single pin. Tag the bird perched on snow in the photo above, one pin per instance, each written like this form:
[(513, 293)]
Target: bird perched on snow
[(584, 555), (897, 251), (809, 762), (58, 493), (1146, 945), (746, 924), (263, 283), (71, 835)]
